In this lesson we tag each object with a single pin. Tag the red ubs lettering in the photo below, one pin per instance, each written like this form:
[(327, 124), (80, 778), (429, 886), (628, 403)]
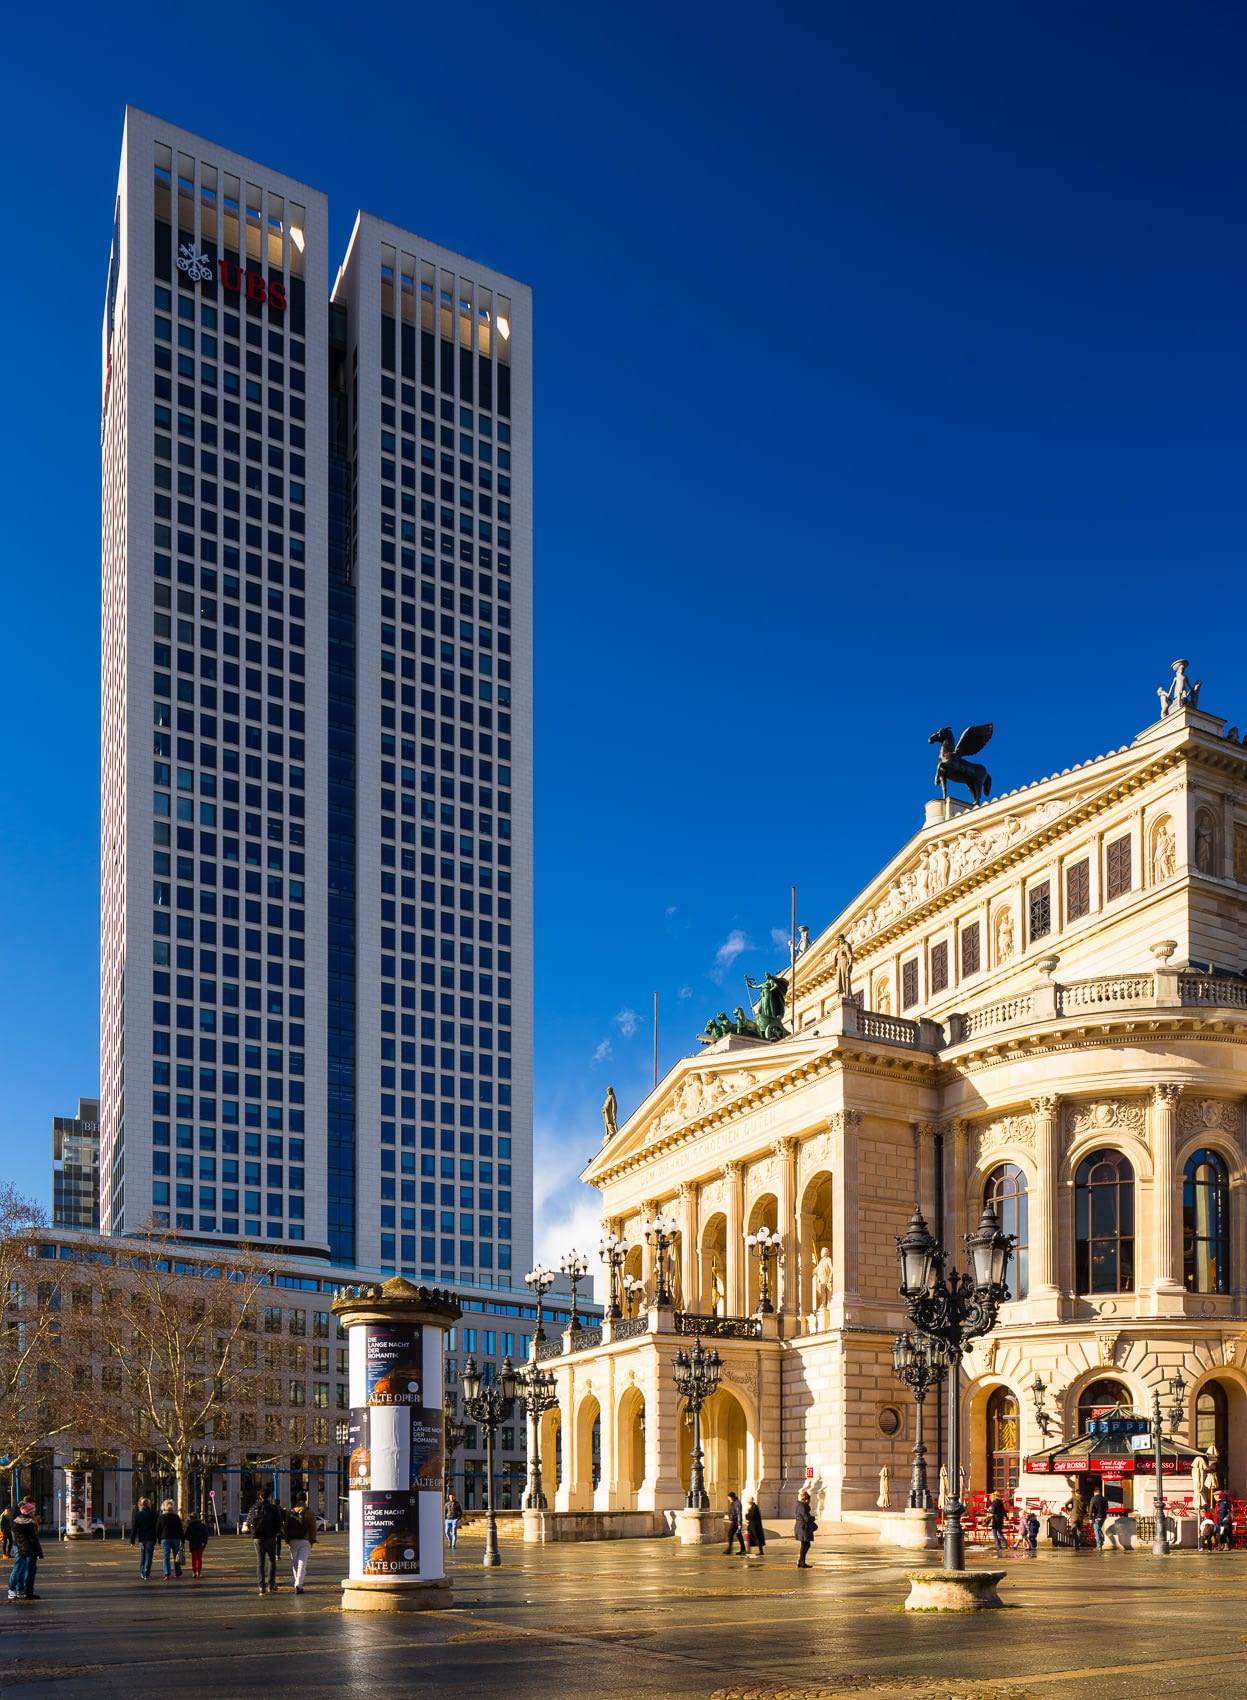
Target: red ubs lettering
[(237, 280)]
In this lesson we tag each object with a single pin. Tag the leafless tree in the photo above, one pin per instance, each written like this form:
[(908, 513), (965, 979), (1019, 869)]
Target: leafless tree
[(33, 1408), (159, 1365)]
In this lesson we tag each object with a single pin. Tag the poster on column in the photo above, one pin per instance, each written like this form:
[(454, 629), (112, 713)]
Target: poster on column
[(359, 1470), (394, 1363), (427, 1462), (391, 1532)]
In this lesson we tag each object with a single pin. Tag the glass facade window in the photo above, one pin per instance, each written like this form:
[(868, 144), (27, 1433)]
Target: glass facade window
[(1206, 1223), (1005, 1189), (1104, 1224)]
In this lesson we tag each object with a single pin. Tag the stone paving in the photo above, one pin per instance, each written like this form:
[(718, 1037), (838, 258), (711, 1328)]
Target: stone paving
[(633, 1619)]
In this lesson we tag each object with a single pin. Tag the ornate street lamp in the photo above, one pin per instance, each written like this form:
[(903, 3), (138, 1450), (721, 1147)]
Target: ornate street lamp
[(540, 1280), (921, 1366), (769, 1250), (1177, 1393), (1044, 1417), (575, 1266), (456, 1432), (696, 1375), (634, 1294), (613, 1252), (490, 1406), (342, 1438), (661, 1233), (951, 1309), (537, 1393)]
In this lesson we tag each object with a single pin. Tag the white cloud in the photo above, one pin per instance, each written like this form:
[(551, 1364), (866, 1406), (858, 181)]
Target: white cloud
[(627, 1022), (685, 992), (779, 938), (602, 1051), (670, 910), (566, 1213), (736, 942)]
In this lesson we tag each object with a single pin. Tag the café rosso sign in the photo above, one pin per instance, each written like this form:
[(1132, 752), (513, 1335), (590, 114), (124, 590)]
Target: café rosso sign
[(235, 280)]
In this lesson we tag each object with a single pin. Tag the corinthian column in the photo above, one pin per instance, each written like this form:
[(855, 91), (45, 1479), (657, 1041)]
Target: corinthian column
[(733, 1275), (1043, 1226), (1164, 1236), (686, 1298)]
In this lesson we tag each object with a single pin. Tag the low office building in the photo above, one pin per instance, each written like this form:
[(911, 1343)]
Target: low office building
[(1039, 1002)]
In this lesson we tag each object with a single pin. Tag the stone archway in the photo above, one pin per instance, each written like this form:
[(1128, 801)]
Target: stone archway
[(1219, 1416), (712, 1267), (586, 1453), (763, 1213), (634, 1267), (551, 1442), (725, 1447), (816, 1225), (630, 1448)]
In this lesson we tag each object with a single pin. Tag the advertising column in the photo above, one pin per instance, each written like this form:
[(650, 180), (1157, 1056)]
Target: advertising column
[(396, 1472), (79, 1510)]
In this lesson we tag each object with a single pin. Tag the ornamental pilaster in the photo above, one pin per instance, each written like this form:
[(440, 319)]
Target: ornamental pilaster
[(788, 1270), (733, 1178), (1043, 1226), (1164, 1150)]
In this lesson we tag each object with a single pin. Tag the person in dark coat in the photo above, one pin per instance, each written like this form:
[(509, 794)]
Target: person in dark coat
[(1225, 1521), (170, 1533), (735, 1524), (754, 1536), (29, 1550), (198, 1535), (803, 1528), (143, 1536), (264, 1525), (999, 1512)]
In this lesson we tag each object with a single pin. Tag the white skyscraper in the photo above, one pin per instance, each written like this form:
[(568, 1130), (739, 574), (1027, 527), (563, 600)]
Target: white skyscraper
[(316, 857)]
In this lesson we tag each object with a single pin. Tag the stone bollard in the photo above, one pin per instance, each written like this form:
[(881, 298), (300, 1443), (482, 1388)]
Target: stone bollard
[(396, 1338), (953, 1590)]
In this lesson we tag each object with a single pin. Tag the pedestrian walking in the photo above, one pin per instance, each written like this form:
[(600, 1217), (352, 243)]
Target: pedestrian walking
[(998, 1512), (264, 1525), (198, 1535), (1030, 1531), (1097, 1509), (170, 1533), (143, 1536), (452, 1511), (803, 1528), (1225, 1521), (754, 1535), (6, 1532), (28, 1550), (300, 1538), (735, 1520)]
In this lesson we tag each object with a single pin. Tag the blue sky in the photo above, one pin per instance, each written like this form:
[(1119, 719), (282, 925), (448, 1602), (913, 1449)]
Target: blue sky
[(889, 372)]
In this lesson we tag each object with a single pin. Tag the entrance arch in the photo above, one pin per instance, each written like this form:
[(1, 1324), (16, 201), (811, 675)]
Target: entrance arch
[(551, 1443), (1003, 1449), (630, 1444), (764, 1214), (725, 1446), (587, 1456), (712, 1300), (1220, 1419)]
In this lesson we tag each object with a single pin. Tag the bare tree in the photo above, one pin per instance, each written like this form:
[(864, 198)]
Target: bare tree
[(159, 1366), (33, 1408)]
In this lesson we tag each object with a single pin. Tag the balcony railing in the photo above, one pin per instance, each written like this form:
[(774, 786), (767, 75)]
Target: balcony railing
[(629, 1327), (1112, 991), (719, 1327), (1219, 989), (549, 1349), (583, 1338)]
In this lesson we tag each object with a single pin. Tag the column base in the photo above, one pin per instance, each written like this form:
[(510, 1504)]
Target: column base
[(954, 1590), (699, 1528), (396, 1593)]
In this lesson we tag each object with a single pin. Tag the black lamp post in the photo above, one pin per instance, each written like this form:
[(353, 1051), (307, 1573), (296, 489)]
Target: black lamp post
[(634, 1294), (696, 1377), (540, 1280), (456, 1434), (613, 1252), (342, 1437), (1177, 1392), (950, 1309), (661, 1233), (921, 1366), (766, 1246), (575, 1266), (537, 1394), (490, 1406)]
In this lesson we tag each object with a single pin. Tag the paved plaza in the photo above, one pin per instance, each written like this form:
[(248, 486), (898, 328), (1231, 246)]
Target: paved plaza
[(634, 1619)]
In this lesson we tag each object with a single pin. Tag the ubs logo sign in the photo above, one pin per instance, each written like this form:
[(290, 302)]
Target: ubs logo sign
[(235, 280)]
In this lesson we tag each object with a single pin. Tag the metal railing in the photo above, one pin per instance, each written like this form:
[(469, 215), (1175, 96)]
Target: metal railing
[(629, 1327), (549, 1349), (719, 1327), (583, 1338)]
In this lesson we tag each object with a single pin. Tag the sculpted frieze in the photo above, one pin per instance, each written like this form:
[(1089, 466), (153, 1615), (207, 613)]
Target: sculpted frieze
[(950, 859), (1121, 1115), (1003, 1131), (698, 1094), (1210, 1115)]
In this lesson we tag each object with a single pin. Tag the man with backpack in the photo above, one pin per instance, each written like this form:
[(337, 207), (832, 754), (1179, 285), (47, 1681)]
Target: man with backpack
[(264, 1521)]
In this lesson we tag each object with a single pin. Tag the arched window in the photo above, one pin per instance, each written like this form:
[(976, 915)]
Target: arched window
[(1104, 1224), (1005, 1190), (1212, 1422), (1002, 1441), (1097, 1399), (1206, 1224)]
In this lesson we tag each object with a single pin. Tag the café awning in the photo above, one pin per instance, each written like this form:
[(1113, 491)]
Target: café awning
[(1108, 1449)]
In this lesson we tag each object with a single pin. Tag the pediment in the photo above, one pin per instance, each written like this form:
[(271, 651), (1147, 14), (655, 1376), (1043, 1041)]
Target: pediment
[(723, 1078)]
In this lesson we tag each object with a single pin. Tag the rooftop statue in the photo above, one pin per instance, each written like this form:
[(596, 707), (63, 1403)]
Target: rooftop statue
[(1181, 693), (768, 1012), (610, 1115), (953, 764)]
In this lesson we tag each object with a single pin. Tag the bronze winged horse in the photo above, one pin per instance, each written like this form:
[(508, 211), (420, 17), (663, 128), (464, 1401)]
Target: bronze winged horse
[(953, 764)]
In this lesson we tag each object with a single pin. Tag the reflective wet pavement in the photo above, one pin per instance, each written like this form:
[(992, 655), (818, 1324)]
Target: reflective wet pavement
[(632, 1618)]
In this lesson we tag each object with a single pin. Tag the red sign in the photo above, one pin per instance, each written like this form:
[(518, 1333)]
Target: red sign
[(236, 280)]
